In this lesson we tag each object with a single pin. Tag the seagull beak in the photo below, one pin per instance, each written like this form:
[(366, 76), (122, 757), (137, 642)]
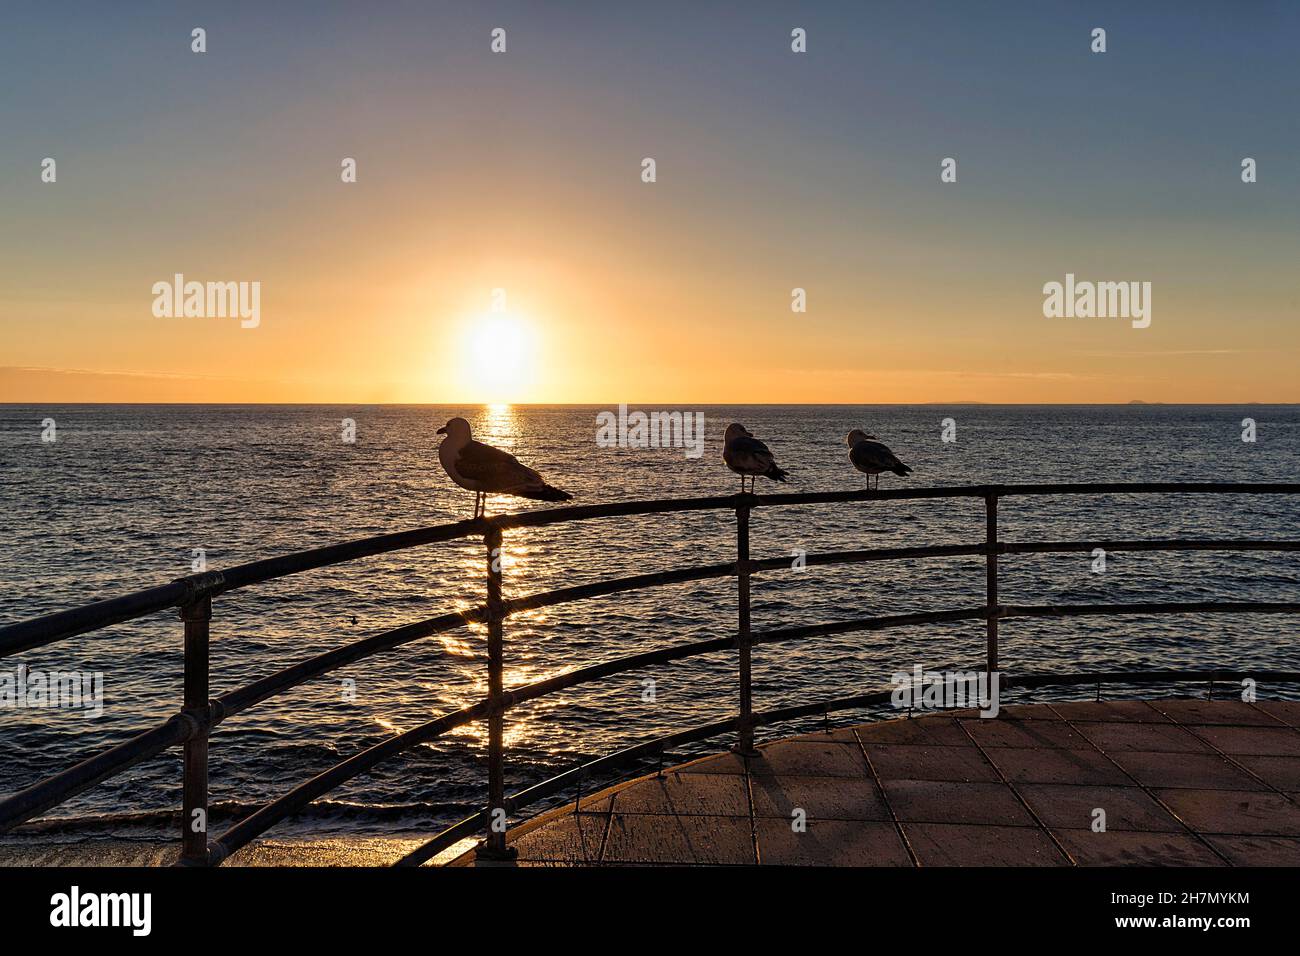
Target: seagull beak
[(442, 430)]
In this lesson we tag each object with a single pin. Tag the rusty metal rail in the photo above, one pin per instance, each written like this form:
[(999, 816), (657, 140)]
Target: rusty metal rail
[(199, 712)]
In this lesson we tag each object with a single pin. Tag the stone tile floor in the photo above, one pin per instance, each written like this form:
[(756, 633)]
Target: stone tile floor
[(1181, 783)]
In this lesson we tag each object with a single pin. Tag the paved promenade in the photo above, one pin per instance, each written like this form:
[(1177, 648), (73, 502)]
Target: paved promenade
[(1180, 783)]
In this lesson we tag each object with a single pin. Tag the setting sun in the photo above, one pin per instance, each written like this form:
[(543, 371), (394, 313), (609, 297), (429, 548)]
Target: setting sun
[(500, 357)]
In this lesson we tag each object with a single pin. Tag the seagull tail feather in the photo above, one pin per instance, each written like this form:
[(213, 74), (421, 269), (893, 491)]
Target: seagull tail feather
[(544, 492), (776, 474), (901, 470)]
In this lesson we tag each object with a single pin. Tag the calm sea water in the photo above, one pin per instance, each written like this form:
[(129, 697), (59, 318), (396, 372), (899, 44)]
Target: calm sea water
[(126, 493)]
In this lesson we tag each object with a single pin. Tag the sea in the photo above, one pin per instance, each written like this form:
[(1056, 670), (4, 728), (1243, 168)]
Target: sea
[(101, 500)]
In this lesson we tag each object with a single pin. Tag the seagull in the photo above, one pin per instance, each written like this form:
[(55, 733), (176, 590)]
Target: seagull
[(746, 455), (485, 470), (871, 457)]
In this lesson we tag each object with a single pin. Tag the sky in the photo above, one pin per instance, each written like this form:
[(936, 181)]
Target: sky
[(774, 170)]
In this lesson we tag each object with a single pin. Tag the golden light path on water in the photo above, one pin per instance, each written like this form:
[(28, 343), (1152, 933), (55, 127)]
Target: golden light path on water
[(500, 428)]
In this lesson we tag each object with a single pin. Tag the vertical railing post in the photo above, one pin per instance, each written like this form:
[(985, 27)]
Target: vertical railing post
[(991, 578), (746, 743), (197, 614), (494, 847)]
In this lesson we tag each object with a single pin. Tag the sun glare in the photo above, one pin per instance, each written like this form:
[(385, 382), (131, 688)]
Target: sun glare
[(501, 357)]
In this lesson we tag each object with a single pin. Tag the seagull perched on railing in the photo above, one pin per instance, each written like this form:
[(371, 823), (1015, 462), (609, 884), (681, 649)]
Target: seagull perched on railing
[(485, 470), (871, 457), (746, 455)]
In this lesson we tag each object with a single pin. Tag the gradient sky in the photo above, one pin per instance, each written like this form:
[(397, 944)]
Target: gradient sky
[(522, 171)]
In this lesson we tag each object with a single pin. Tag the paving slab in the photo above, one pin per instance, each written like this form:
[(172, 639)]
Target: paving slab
[(1030, 734), (935, 731), (1287, 711), (1028, 712), (1254, 741), (916, 762), (1067, 806), (1235, 812), (1055, 766), (692, 794), (1165, 737), (940, 801), (1258, 850), (722, 763), (831, 843), (821, 798), (1126, 848), (569, 838), (1214, 712), (1281, 773), (1195, 771), (1128, 711), (948, 844), (828, 759), (710, 841)]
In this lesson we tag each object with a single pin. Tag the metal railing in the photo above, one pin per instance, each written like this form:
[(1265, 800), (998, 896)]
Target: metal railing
[(200, 713)]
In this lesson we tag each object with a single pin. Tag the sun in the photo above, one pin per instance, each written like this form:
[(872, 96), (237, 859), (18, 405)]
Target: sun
[(501, 356)]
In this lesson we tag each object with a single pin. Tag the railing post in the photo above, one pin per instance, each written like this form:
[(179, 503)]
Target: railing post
[(194, 797), (745, 746), (494, 847), (991, 577)]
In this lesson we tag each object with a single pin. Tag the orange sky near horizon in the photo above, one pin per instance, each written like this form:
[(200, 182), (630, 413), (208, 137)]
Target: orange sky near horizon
[(522, 172)]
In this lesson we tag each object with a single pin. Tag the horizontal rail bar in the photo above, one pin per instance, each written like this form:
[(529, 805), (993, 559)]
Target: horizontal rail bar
[(1023, 610), (54, 790), (39, 631), (880, 622), (1154, 607), (813, 559), (272, 813), (235, 701), (1163, 544), (548, 516), (462, 830), (51, 627), (1032, 681)]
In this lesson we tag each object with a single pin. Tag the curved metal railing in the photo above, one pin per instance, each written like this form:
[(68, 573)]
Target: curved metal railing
[(193, 595)]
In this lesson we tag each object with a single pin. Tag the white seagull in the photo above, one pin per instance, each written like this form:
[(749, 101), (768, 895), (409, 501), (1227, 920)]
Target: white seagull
[(485, 470), (746, 455), (871, 457)]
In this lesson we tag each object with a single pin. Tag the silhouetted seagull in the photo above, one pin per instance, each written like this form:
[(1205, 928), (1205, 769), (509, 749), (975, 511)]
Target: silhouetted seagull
[(746, 455), (871, 457), (485, 470)]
